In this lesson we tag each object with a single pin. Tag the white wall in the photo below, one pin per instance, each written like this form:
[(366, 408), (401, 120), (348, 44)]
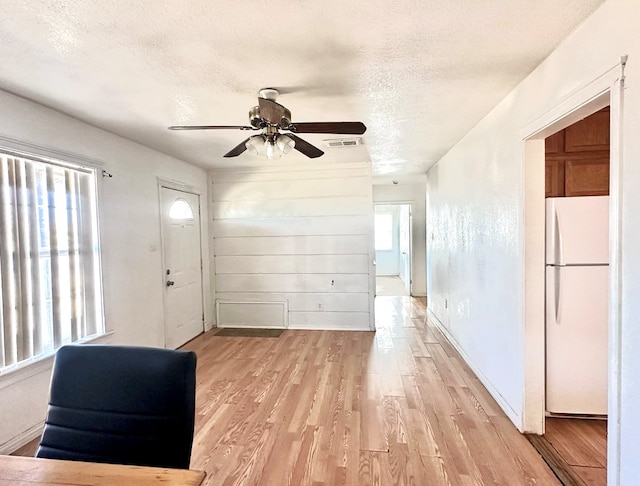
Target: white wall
[(130, 238), (300, 234), (476, 214), (414, 194)]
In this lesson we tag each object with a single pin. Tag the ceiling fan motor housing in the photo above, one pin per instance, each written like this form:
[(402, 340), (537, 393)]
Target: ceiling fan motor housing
[(254, 117), (256, 120), (285, 121)]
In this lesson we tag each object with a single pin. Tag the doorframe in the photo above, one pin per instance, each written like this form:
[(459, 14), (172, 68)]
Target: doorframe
[(182, 187), (411, 211), (605, 89)]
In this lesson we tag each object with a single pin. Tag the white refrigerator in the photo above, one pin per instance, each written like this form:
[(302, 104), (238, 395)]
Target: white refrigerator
[(577, 291)]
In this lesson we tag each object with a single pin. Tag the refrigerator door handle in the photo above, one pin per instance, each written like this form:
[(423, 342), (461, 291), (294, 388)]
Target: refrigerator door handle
[(558, 293), (557, 243)]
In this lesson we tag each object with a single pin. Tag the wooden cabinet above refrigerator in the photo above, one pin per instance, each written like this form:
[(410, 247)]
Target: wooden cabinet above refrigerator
[(577, 158)]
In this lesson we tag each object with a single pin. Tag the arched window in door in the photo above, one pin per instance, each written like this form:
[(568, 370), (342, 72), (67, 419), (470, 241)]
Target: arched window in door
[(181, 210)]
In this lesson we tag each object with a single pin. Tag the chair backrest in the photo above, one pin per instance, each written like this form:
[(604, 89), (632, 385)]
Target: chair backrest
[(121, 405)]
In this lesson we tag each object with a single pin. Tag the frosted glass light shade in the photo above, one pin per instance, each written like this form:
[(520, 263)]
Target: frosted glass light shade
[(271, 150), (285, 143), (254, 144)]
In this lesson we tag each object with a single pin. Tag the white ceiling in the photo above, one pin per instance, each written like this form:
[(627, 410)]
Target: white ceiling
[(420, 74)]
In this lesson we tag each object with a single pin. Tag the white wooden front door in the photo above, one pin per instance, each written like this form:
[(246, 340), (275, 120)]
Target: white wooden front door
[(182, 266)]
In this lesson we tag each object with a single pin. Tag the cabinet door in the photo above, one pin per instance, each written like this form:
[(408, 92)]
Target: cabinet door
[(589, 134), (554, 144), (587, 177), (554, 178), (577, 158)]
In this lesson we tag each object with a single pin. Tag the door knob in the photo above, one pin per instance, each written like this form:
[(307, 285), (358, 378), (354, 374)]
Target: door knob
[(170, 283)]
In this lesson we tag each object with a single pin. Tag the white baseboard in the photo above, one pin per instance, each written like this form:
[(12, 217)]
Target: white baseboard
[(515, 417), (252, 314), (328, 328), (24, 438)]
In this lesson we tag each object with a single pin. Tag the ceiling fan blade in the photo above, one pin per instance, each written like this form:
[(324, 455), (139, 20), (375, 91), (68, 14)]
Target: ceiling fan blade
[(238, 149), (273, 112), (305, 147), (340, 128), (211, 127)]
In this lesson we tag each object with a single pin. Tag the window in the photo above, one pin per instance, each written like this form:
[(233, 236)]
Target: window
[(50, 284), (181, 210), (384, 231)]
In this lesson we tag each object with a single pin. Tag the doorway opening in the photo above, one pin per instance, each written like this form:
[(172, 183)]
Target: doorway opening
[(393, 249), (607, 89), (577, 180)]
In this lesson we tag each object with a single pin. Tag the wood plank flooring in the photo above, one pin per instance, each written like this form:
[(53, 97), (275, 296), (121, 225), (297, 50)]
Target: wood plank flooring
[(390, 286), (395, 407), (323, 408), (582, 445)]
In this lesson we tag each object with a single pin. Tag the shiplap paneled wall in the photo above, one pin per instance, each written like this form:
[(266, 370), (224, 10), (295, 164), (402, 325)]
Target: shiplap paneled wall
[(301, 235)]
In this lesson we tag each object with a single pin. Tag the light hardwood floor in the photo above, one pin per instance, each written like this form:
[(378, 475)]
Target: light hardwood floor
[(395, 407), (582, 445), (390, 286), (320, 408)]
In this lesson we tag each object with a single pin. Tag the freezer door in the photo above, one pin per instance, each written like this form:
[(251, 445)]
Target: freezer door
[(576, 340), (577, 230)]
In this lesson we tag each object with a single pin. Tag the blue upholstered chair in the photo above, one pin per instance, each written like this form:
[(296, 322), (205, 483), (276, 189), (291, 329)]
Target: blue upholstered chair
[(121, 405)]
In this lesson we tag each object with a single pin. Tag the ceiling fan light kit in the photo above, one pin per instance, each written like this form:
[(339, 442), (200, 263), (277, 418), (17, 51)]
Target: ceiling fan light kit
[(271, 146), (271, 117)]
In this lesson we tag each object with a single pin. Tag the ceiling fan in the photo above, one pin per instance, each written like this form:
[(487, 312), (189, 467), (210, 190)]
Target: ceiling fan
[(271, 119)]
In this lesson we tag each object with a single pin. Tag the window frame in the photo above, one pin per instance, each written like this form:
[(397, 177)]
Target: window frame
[(40, 362)]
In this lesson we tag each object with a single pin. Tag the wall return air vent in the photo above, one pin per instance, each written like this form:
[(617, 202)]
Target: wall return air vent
[(343, 142)]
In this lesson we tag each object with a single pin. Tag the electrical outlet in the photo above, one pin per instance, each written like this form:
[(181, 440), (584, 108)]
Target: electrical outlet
[(320, 307), (446, 304)]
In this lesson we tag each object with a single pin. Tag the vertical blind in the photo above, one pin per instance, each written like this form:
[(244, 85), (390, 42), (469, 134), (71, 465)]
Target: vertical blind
[(50, 292)]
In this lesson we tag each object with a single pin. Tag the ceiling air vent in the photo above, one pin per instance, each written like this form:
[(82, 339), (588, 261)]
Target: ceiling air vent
[(343, 142)]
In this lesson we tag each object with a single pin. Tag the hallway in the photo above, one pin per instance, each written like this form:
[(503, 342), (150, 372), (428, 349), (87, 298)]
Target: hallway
[(390, 286), (353, 408)]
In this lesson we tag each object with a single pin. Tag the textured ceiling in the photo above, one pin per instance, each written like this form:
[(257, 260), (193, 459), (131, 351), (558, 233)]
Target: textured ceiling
[(420, 74)]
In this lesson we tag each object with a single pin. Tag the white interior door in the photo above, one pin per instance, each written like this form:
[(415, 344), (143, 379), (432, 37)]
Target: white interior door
[(405, 246), (184, 318)]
